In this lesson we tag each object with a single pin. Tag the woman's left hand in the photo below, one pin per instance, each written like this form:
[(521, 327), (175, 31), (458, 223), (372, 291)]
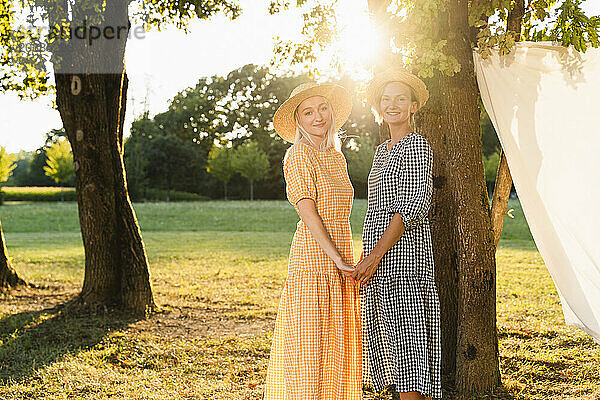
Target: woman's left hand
[(364, 270)]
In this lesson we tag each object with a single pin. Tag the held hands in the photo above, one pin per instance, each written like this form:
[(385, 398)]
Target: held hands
[(345, 268), (364, 270)]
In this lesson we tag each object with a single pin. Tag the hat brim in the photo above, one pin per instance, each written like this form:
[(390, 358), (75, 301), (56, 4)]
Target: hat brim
[(392, 75), (339, 98)]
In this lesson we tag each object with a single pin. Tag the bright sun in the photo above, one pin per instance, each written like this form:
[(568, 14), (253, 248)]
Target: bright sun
[(357, 48)]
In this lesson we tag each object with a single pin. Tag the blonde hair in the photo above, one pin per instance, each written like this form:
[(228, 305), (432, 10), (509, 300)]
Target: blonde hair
[(379, 94), (330, 141)]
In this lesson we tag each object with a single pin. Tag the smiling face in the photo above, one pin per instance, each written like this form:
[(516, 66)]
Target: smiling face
[(314, 115), (397, 103)]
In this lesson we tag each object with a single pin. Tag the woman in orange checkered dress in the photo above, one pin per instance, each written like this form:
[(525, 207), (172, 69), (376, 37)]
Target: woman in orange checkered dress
[(316, 349)]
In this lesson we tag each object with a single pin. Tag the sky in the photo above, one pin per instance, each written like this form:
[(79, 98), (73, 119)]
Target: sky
[(161, 64)]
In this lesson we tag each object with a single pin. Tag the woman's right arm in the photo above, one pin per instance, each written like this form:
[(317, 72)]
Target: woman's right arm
[(302, 192), (310, 216), (369, 264), (409, 208)]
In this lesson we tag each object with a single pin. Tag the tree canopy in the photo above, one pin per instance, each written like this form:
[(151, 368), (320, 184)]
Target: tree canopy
[(59, 165), (252, 163), (7, 164), (411, 33), (220, 165)]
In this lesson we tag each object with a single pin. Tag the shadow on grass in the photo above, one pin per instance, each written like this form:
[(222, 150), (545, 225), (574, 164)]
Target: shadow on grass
[(34, 339)]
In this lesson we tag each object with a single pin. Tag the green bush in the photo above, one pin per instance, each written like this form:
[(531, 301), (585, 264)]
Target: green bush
[(161, 195), (54, 194), (34, 193)]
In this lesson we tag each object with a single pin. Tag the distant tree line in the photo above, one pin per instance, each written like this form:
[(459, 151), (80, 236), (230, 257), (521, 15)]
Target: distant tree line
[(29, 165), (58, 165), (217, 139)]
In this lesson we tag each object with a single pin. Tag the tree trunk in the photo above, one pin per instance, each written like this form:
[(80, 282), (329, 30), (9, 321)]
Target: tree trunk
[(432, 123), (8, 276), (116, 266), (92, 108), (225, 189), (169, 184), (500, 197), (477, 368), (515, 18), (380, 18), (251, 190)]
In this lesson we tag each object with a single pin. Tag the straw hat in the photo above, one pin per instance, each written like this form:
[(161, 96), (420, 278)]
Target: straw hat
[(338, 97), (397, 75)]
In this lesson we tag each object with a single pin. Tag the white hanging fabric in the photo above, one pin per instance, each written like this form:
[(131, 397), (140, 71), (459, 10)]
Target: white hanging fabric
[(544, 102)]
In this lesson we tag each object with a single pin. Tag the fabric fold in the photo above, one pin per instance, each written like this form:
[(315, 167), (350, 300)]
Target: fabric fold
[(540, 99)]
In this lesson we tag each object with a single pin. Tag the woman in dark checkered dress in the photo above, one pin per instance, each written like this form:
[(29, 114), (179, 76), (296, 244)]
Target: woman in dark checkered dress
[(399, 301)]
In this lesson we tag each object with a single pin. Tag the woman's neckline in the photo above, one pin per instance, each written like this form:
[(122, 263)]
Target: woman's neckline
[(328, 150), (385, 147)]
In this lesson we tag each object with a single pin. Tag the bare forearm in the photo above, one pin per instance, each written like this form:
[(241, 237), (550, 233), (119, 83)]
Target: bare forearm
[(390, 237), (310, 216), (367, 267)]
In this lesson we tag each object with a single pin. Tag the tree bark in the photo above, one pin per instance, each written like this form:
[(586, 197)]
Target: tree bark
[(515, 18), (477, 367), (116, 265), (8, 276), (500, 197), (433, 122)]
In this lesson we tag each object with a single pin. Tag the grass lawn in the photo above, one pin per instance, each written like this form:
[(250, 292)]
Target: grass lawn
[(217, 272)]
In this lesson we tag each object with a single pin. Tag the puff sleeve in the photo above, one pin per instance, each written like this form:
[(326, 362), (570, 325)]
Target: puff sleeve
[(299, 173), (415, 188)]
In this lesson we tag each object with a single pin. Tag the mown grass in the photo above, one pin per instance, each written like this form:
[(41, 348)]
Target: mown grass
[(223, 216), (217, 271)]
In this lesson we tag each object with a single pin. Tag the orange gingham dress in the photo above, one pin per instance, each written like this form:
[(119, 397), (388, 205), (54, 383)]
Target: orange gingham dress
[(316, 350)]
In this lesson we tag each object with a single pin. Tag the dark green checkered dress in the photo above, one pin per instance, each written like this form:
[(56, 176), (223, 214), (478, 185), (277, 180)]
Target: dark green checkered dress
[(400, 306)]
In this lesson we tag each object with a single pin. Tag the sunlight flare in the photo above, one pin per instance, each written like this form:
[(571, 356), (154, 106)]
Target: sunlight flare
[(357, 46)]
